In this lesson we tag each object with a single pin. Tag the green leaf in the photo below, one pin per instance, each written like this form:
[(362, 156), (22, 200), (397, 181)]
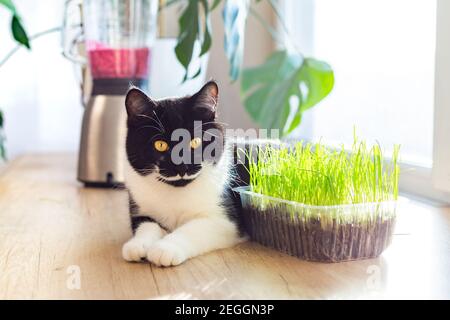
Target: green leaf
[(9, 5), (268, 89), (17, 29), (191, 31), (19, 32), (318, 78), (235, 14), (2, 138), (207, 40), (215, 4), (3, 151)]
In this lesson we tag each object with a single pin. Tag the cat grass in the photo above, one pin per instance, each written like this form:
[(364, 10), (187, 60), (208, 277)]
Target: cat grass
[(322, 204), (315, 175)]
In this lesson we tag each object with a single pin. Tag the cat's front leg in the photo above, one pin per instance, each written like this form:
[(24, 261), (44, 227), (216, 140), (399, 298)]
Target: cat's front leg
[(196, 237), (145, 235)]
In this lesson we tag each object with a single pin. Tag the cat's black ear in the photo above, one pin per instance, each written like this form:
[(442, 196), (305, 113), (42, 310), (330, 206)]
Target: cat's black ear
[(208, 97), (137, 102)]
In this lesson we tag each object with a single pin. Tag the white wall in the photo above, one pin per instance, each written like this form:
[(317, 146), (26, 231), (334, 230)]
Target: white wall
[(441, 155), (258, 46), (38, 89)]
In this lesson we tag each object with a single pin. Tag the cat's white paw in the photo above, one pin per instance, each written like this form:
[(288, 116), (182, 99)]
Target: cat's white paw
[(134, 250), (166, 253), (145, 236)]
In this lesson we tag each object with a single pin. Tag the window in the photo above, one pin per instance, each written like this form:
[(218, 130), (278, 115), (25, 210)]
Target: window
[(383, 54), (42, 105)]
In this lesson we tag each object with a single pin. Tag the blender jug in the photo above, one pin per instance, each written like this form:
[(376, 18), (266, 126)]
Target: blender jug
[(117, 36)]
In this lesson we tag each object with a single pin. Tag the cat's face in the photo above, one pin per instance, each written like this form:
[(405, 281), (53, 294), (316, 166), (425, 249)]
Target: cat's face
[(173, 139)]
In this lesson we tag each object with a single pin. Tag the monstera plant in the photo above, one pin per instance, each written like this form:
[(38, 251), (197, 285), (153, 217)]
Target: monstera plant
[(276, 93), (21, 37)]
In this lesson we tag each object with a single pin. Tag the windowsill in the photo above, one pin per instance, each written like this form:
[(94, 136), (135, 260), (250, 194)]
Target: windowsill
[(417, 181), (57, 224)]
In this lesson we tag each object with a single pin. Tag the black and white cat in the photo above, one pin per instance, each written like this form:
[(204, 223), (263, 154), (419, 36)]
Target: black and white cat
[(178, 210)]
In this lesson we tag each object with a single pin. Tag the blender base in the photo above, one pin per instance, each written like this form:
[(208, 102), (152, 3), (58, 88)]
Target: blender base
[(104, 185), (102, 157)]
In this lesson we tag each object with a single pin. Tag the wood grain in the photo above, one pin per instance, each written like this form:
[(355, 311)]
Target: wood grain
[(49, 222)]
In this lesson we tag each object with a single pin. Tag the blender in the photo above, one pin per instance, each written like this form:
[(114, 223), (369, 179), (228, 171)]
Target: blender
[(116, 37)]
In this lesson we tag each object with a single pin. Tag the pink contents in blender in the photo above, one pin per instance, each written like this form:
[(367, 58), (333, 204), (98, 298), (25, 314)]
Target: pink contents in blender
[(118, 62)]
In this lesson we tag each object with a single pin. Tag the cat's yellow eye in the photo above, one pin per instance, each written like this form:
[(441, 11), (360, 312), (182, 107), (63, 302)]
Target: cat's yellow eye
[(195, 143), (161, 145)]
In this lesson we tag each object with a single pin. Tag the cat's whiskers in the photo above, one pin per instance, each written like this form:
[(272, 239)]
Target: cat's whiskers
[(156, 135), (149, 126), (209, 122), (211, 134), (147, 171), (158, 122), (132, 156), (144, 116)]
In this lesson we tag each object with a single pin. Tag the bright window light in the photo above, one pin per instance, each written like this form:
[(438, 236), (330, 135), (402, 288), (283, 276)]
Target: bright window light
[(382, 52)]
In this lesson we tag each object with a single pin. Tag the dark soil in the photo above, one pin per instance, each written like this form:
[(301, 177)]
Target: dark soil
[(307, 239)]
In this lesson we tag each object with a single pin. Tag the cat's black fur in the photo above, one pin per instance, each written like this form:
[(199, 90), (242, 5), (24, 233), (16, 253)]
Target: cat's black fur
[(157, 120), (150, 120)]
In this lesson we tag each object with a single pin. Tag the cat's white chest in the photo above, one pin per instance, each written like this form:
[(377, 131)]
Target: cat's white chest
[(173, 206)]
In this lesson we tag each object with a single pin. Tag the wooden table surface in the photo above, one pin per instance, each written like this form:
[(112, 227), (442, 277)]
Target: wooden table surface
[(61, 240)]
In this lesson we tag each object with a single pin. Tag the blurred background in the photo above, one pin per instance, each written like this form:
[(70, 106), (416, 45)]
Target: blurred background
[(388, 58), (42, 106)]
